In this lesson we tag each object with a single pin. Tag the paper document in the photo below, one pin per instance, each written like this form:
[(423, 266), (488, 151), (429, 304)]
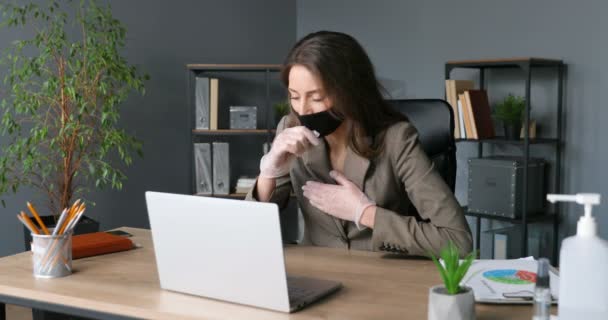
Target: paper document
[(506, 281)]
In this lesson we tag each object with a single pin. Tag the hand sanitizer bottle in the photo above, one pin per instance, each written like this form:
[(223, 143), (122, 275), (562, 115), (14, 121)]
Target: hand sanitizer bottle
[(583, 284)]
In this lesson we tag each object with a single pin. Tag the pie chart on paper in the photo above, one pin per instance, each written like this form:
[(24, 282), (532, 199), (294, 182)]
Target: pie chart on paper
[(510, 276)]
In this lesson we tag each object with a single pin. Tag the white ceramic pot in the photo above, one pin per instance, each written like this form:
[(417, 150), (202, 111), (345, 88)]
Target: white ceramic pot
[(443, 306)]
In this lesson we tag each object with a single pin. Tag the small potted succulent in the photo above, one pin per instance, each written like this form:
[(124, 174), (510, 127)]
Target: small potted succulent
[(451, 300), (510, 111), (281, 109)]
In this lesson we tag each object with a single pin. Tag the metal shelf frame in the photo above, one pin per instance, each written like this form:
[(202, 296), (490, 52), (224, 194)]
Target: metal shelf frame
[(525, 65)]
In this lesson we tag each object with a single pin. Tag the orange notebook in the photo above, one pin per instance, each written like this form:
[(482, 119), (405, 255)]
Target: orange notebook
[(93, 244)]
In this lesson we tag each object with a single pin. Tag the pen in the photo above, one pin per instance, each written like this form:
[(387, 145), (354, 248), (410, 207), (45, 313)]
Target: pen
[(37, 217)]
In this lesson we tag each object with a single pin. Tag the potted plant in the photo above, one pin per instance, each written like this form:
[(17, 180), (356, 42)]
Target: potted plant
[(281, 109), (61, 101), (510, 111), (451, 300)]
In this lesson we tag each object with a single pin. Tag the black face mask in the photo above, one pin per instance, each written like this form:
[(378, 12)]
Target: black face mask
[(323, 122)]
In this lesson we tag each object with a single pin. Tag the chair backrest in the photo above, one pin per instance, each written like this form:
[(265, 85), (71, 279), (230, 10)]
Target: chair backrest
[(434, 120)]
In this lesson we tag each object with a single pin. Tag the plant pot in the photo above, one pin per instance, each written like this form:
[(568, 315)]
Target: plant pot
[(443, 306), (85, 225), (512, 131)]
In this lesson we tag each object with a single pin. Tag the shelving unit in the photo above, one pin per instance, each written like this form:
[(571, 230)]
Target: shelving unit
[(525, 65), (224, 134)]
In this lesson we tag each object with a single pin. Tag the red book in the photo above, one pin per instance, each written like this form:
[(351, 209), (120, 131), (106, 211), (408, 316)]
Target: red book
[(93, 244), (482, 115)]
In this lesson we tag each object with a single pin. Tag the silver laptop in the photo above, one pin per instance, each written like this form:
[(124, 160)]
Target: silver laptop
[(228, 250)]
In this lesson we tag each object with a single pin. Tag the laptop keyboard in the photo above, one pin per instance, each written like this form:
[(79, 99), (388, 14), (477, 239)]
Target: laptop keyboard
[(297, 293)]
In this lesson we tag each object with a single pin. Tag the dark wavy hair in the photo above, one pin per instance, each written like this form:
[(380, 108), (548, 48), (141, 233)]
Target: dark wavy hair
[(348, 78)]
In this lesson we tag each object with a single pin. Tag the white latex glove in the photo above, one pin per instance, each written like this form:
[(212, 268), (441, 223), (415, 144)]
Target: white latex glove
[(289, 144), (344, 200)]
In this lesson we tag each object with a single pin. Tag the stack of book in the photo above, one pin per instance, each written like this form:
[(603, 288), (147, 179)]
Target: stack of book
[(472, 113), (244, 184)]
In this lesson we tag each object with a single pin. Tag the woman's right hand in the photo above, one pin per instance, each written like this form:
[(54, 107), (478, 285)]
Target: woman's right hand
[(289, 144)]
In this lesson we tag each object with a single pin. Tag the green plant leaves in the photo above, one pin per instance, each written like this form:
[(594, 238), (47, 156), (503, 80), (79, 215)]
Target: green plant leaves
[(453, 270), (62, 109), (511, 109)]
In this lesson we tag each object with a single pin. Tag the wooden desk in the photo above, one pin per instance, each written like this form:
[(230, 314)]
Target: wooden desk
[(125, 286)]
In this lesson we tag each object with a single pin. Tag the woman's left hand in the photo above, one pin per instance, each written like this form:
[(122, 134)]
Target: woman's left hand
[(344, 200)]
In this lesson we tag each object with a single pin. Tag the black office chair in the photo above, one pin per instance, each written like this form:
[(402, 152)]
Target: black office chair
[(435, 123)]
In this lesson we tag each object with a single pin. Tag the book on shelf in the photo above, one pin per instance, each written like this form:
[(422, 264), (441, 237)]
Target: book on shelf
[(452, 89), (480, 113), (531, 132), (460, 121), (467, 115), (213, 103), (206, 102), (244, 184)]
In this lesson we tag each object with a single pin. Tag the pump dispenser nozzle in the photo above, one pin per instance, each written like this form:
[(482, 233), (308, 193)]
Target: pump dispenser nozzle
[(586, 224)]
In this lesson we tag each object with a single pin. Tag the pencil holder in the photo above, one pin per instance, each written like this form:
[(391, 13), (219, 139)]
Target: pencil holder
[(52, 255)]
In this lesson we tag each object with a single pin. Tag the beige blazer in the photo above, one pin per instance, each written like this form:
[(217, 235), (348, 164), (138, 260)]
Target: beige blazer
[(417, 212)]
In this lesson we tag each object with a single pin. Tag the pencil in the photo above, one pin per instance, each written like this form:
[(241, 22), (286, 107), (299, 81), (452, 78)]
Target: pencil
[(37, 217), (74, 207), (29, 223), (26, 225), (69, 216)]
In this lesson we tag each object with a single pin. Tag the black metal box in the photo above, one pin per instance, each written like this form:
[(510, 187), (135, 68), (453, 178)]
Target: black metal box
[(496, 186)]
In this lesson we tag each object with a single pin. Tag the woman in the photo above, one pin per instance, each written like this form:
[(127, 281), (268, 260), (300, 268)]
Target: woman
[(360, 176)]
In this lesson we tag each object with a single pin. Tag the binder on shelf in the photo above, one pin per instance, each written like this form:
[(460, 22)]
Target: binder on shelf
[(206, 101), (203, 168), (221, 168), (201, 92)]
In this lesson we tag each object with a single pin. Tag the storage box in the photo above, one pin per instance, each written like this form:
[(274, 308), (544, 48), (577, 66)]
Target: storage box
[(496, 186), (243, 117)]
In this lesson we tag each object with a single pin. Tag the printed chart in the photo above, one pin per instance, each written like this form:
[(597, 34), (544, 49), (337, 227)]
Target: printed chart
[(511, 276)]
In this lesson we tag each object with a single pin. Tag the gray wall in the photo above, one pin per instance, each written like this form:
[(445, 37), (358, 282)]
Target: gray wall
[(409, 42), (163, 36)]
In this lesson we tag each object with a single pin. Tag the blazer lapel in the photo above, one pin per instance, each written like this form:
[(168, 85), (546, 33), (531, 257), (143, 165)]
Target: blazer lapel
[(317, 161), (355, 169)]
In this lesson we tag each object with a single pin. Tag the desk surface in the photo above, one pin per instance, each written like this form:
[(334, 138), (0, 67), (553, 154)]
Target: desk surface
[(125, 285)]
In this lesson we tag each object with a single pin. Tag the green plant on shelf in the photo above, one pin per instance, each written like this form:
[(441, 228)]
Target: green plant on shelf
[(511, 110), (281, 109), (452, 270)]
